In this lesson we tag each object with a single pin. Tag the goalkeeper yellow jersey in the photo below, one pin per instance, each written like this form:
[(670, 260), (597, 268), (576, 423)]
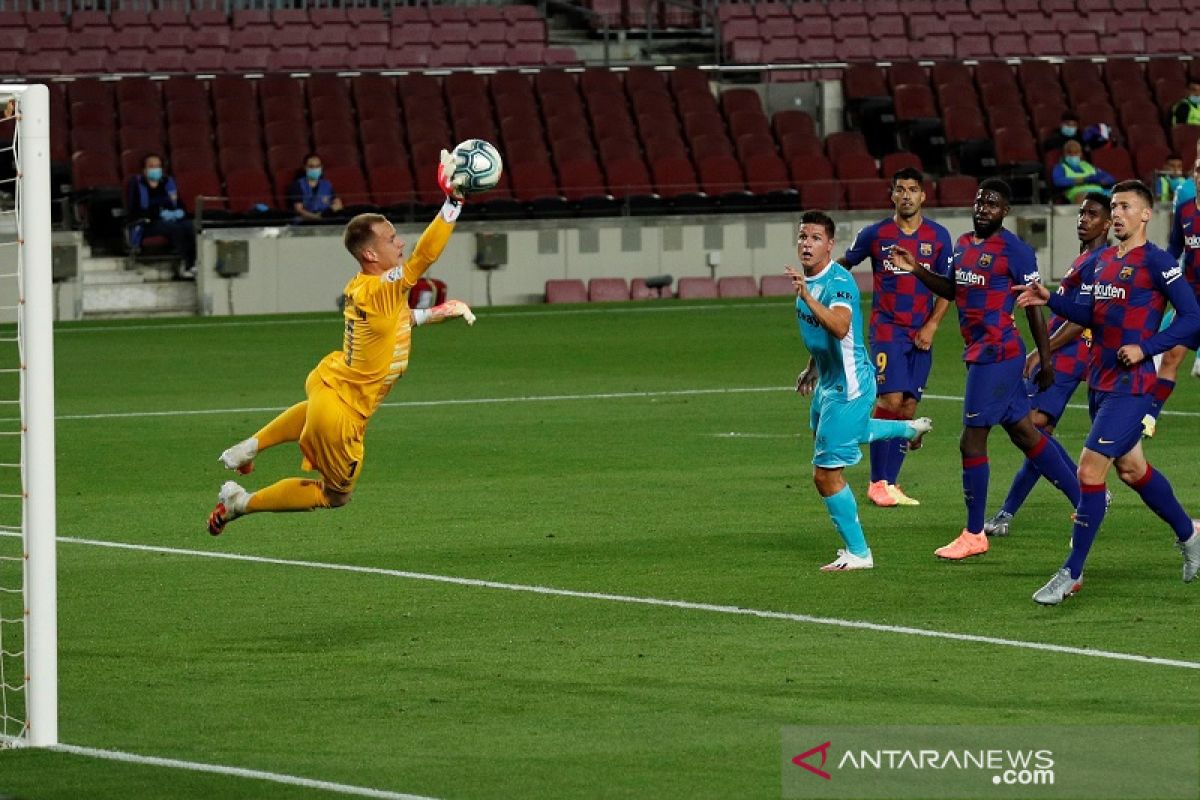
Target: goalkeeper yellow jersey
[(378, 327)]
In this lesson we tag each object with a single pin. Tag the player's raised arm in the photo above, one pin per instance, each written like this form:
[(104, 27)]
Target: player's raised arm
[(835, 319), (443, 312), (938, 284)]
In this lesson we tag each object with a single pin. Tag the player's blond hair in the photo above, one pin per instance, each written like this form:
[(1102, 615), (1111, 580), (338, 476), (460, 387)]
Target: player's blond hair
[(360, 233)]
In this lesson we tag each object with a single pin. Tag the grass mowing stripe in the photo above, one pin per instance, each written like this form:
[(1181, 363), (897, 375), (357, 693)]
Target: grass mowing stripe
[(685, 605), (238, 772), (545, 398)]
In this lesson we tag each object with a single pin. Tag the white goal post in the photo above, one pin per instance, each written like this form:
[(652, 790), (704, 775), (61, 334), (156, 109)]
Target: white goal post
[(34, 338)]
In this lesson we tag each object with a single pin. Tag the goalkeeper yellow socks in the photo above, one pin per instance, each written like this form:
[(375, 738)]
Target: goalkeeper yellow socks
[(289, 494), (284, 428)]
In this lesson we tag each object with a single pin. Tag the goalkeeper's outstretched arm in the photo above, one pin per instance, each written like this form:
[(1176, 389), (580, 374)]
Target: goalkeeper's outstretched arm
[(440, 313)]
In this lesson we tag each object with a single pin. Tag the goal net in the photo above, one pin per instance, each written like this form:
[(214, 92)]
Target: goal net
[(28, 604)]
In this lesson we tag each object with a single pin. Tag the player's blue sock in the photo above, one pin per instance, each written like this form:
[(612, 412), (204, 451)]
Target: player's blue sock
[(1156, 492), (881, 451), (843, 510), (881, 447), (975, 474), (1022, 484), (1088, 516), (1159, 394), (1027, 477), (899, 449), (1055, 467)]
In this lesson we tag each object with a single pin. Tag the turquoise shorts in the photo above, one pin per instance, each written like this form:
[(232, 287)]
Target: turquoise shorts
[(839, 428)]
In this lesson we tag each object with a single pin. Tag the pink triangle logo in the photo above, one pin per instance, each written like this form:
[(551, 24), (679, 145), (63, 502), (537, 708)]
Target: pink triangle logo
[(823, 749)]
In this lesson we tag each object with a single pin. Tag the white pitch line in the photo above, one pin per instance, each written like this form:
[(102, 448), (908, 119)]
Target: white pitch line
[(475, 401), (237, 772), (483, 317), (645, 601)]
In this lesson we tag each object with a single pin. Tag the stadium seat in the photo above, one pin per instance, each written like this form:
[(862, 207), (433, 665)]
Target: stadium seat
[(569, 290), (776, 286), (863, 194), (828, 195), (737, 286), (696, 288), (957, 191), (1116, 161), (607, 290)]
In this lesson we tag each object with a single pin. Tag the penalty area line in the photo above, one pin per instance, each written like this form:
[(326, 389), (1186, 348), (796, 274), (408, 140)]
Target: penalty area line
[(684, 605), (237, 772)]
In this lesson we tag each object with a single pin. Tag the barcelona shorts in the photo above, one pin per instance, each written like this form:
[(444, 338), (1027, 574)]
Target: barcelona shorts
[(1052, 401), (901, 366), (995, 394), (332, 439), (839, 427), (1116, 421)]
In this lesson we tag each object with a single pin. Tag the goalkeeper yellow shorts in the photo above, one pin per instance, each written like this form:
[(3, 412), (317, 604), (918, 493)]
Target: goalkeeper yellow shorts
[(332, 439)]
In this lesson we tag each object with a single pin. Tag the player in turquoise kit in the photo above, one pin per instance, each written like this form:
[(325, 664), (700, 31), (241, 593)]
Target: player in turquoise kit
[(841, 380)]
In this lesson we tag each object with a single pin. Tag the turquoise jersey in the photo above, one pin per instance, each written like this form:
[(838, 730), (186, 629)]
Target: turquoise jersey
[(843, 365), (1185, 192)]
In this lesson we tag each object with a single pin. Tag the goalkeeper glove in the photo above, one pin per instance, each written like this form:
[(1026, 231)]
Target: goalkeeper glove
[(449, 184)]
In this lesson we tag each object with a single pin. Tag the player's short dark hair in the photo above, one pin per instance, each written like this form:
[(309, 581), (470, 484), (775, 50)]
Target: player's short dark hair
[(1138, 188), (819, 218), (999, 186), (908, 174), (1100, 199), (153, 154), (310, 156), (360, 233)]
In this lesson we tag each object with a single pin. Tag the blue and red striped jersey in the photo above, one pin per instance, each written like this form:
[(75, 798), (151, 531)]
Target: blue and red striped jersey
[(984, 274), (900, 304), (1129, 296), (1072, 359), (1185, 241)]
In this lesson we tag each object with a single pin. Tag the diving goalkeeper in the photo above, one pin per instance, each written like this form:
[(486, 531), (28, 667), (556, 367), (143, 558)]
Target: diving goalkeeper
[(347, 385)]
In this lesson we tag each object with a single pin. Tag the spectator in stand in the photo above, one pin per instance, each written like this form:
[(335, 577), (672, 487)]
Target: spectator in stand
[(1068, 131), (1187, 110), (1168, 179), (311, 195), (1187, 192), (154, 209), (1073, 177), (1098, 137)]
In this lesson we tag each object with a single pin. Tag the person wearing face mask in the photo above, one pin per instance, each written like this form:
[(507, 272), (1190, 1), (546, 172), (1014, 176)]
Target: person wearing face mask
[(1187, 110), (311, 195), (1074, 178), (1068, 131), (154, 208)]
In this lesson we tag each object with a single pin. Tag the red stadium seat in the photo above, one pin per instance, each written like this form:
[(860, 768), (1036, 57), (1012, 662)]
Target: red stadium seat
[(737, 286), (863, 194), (957, 191), (785, 122), (628, 177), (247, 188), (194, 183), (607, 290), (776, 286), (809, 167), (392, 184), (894, 162), (673, 176), (1116, 161), (855, 166), (720, 174), (566, 291), (696, 288), (766, 173), (828, 195)]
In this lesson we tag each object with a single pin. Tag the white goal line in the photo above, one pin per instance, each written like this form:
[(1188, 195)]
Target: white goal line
[(684, 605), (238, 772), (544, 398)]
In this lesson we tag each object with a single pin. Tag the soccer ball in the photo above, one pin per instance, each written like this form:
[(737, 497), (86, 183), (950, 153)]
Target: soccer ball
[(478, 165)]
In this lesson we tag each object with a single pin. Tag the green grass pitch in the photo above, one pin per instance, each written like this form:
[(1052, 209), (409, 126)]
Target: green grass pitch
[(584, 449)]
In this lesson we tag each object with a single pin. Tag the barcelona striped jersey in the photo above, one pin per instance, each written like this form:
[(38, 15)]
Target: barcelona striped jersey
[(1073, 358), (1129, 295), (845, 371), (1185, 241), (984, 274), (378, 327), (900, 304)]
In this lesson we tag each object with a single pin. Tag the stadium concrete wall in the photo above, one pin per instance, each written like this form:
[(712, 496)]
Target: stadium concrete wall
[(304, 269)]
